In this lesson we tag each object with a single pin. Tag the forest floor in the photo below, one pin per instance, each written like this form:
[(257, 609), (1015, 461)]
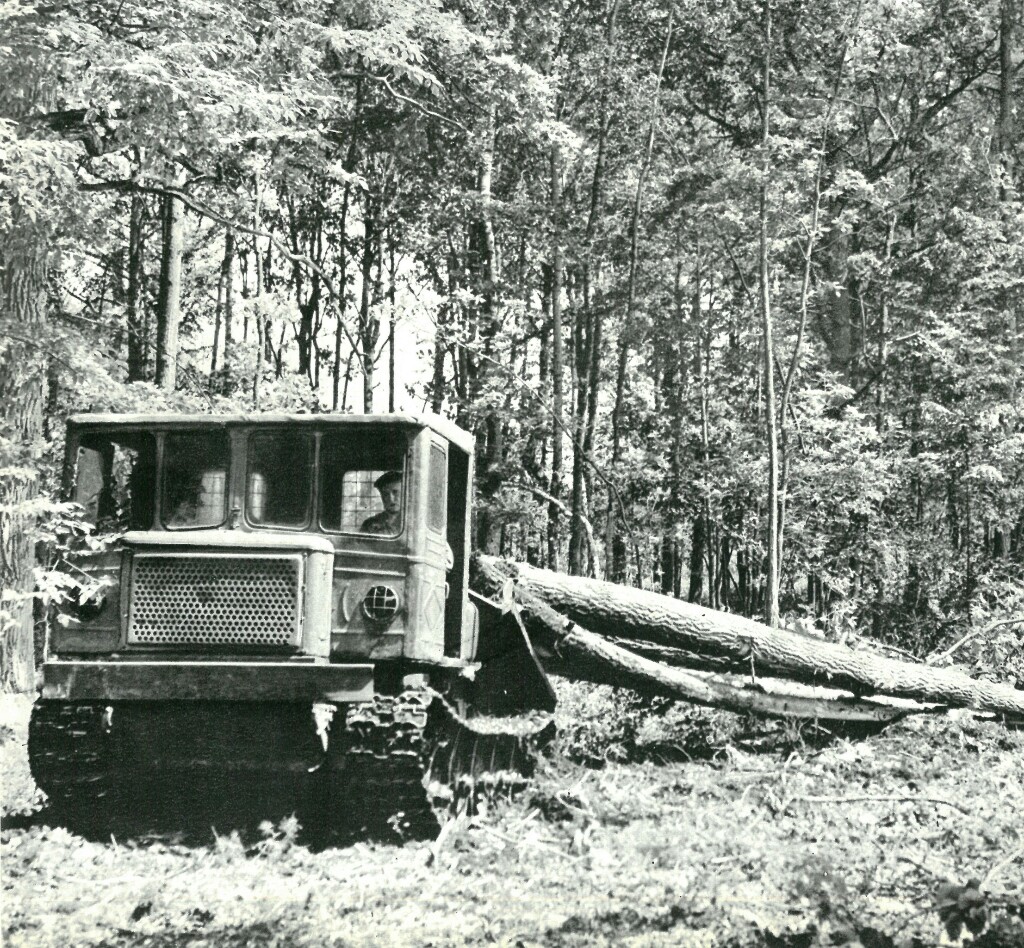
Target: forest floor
[(648, 824)]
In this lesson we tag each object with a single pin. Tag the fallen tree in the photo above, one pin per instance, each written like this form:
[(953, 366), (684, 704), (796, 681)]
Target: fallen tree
[(576, 619), (574, 652)]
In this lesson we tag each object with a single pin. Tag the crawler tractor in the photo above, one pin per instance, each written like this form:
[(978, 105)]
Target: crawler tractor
[(249, 609)]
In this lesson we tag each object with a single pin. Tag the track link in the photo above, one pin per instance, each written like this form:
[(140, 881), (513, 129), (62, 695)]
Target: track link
[(376, 766)]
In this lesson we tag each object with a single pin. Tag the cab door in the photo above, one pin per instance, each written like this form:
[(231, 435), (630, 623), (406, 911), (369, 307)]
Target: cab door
[(438, 553)]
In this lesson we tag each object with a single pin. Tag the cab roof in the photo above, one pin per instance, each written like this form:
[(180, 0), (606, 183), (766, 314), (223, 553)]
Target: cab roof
[(174, 421)]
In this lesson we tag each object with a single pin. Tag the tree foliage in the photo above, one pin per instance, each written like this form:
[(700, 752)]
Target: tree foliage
[(543, 220)]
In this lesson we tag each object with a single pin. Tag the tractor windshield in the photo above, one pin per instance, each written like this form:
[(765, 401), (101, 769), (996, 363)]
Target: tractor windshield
[(362, 482), (280, 478), (115, 477), (195, 477)]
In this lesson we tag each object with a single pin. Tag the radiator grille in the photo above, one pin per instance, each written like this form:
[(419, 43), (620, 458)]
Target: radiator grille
[(215, 600)]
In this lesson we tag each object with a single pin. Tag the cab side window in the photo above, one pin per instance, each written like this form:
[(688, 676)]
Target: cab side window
[(362, 483), (437, 492), (114, 481)]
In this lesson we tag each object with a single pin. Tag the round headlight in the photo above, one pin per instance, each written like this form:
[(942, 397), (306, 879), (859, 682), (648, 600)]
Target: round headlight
[(380, 605), (88, 607)]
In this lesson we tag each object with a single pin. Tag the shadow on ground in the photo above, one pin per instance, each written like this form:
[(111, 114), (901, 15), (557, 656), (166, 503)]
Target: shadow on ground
[(197, 816)]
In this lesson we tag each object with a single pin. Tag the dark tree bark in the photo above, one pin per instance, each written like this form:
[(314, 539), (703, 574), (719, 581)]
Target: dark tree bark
[(135, 303), (168, 313)]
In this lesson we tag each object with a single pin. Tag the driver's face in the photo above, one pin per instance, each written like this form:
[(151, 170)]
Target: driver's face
[(391, 495)]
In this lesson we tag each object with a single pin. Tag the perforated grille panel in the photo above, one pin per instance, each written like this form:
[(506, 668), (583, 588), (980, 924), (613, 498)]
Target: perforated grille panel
[(215, 600)]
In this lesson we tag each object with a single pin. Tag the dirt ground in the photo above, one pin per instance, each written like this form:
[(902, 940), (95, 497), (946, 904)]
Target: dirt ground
[(647, 825)]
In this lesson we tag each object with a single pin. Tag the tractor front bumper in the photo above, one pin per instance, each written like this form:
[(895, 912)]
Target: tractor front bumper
[(70, 680)]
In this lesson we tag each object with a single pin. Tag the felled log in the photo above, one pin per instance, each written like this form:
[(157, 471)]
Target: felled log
[(573, 651), (627, 613), (681, 658)]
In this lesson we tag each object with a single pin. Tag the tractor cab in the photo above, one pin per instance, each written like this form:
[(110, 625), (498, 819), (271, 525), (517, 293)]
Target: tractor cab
[(303, 538)]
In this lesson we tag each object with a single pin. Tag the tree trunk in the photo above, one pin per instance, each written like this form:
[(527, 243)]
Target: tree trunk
[(222, 313), (445, 318), (702, 532), (1007, 29), (260, 321), (628, 613), (883, 330), (589, 354), (229, 297), (135, 304), (308, 305), (168, 313), (351, 158), (369, 324), (569, 649), (483, 265), (338, 404), (615, 544), (557, 363), (771, 608), (392, 316), (23, 269)]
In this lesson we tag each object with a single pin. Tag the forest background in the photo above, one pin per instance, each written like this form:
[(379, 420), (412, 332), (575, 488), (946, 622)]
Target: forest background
[(730, 293)]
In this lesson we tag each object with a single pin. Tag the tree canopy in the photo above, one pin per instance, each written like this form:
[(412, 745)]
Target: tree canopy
[(572, 227)]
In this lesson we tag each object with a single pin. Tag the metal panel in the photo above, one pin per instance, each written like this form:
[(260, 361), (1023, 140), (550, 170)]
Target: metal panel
[(215, 599)]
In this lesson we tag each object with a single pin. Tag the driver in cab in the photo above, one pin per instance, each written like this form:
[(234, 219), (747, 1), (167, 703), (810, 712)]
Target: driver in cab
[(389, 486)]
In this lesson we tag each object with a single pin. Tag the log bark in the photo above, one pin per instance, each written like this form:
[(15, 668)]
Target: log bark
[(627, 613), (575, 652)]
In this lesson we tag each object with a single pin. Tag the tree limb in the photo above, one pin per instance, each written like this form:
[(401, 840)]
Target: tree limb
[(983, 630)]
